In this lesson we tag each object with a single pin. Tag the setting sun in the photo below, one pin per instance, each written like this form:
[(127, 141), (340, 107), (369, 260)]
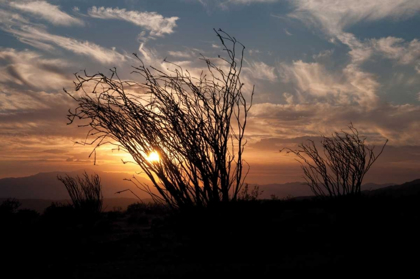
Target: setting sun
[(153, 157)]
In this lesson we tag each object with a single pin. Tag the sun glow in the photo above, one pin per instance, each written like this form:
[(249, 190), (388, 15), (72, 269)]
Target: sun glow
[(153, 157)]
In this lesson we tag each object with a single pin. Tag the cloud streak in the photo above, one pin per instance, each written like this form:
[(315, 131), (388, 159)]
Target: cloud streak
[(397, 49), (314, 83), (260, 70), (29, 69), (157, 24), (336, 15), (40, 38), (395, 122), (47, 12)]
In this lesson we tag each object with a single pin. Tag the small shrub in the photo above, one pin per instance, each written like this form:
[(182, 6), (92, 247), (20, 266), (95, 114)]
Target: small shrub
[(338, 170), (147, 208), (249, 195), (9, 206), (85, 193)]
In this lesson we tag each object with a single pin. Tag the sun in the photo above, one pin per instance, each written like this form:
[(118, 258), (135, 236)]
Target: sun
[(153, 157)]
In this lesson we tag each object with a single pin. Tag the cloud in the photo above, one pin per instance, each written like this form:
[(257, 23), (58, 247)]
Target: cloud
[(101, 54), (40, 38), (180, 54), (47, 12), (149, 55), (30, 70), (260, 70), (251, 1), (395, 122), (397, 49), (336, 15), (9, 18), (224, 4), (323, 55), (289, 98), (254, 51), (314, 83), (351, 84), (151, 21)]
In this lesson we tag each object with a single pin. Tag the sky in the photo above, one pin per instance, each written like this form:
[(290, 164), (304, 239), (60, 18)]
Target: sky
[(317, 65)]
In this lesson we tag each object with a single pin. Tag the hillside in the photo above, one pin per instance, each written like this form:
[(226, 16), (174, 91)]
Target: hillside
[(411, 188), (300, 189), (46, 186)]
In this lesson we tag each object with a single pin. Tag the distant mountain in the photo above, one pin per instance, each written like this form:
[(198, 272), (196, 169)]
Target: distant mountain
[(286, 190), (301, 189), (46, 186), (373, 186), (411, 188), (109, 204)]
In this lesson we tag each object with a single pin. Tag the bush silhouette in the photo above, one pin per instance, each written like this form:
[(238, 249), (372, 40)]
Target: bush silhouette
[(340, 170), (195, 123), (85, 193), (248, 194), (9, 206)]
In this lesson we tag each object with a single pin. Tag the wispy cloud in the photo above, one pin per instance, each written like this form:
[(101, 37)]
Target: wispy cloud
[(260, 70), (222, 3), (157, 24), (251, 1), (180, 54), (314, 83), (225, 4), (352, 83), (92, 50), (9, 18), (39, 37), (47, 12), (30, 70), (395, 122), (398, 49), (336, 15)]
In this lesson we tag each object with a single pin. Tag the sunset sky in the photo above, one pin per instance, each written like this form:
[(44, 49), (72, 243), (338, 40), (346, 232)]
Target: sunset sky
[(317, 65)]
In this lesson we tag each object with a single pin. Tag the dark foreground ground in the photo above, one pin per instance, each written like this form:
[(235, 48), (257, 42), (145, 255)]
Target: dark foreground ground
[(252, 239)]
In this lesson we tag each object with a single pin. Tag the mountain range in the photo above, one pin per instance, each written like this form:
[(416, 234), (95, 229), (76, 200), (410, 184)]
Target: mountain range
[(45, 185), (39, 190)]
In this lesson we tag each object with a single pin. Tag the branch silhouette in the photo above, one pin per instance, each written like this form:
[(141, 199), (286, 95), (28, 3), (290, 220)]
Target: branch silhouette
[(340, 170), (195, 124)]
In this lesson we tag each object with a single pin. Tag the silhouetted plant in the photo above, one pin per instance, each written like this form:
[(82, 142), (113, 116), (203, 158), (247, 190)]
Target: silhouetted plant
[(195, 124), (9, 206), (147, 208), (250, 195), (340, 170), (85, 192)]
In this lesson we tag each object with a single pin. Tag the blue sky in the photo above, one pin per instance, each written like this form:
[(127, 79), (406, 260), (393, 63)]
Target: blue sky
[(317, 66)]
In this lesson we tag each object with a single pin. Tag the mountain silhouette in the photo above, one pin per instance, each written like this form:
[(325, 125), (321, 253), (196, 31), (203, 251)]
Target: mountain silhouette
[(411, 188), (46, 186), (300, 189)]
